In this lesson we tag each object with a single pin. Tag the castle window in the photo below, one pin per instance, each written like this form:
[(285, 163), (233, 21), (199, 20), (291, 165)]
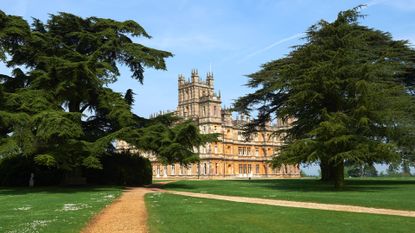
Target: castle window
[(240, 151), (204, 169), (256, 152), (204, 111), (216, 168), (240, 169), (172, 169), (216, 148), (249, 168), (186, 111), (214, 110), (257, 169)]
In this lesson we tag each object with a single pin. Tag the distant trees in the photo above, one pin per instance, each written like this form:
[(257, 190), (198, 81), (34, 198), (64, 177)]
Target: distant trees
[(55, 107), (361, 170), (346, 90)]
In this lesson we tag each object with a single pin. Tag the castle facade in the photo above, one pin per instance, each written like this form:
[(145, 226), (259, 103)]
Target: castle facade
[(232, 156)]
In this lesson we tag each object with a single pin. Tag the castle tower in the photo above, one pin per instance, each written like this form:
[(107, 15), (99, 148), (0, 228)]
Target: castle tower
[(233, 155), (209, 79), (198, 101), (195, 76)]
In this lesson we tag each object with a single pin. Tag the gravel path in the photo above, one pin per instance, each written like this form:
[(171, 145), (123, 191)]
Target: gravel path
[(296, 204), (127, 214)]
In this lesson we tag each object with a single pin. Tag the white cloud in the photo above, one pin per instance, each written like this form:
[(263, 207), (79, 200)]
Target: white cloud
[(281, 41), (191, 42), (402, 5)]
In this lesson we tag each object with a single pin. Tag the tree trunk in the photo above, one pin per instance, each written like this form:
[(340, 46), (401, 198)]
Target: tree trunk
[(74, 106), (326, 169), (406, 171), (339, 175)]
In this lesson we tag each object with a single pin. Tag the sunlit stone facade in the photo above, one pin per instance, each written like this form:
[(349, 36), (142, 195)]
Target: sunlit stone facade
[(233, 156)]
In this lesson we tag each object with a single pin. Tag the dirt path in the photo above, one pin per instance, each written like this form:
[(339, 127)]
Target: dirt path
[(127, 214), (296, 204)]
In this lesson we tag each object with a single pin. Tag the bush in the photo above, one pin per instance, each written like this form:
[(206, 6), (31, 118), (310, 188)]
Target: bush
[(121, 169), (118, 169), (16, 170)]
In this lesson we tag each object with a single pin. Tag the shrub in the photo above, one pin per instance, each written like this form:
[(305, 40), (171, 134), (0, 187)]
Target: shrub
[(121, 169), (16, 170)]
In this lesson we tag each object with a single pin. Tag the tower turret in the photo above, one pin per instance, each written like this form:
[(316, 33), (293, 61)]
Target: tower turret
[(195, 76), (227, 116), (209, 79), (181, 79)]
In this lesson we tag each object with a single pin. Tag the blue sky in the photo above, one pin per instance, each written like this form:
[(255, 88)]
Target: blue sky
[(234, 37)]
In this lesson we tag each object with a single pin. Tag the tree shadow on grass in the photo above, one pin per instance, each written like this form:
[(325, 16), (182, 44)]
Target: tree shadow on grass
[(69, 189), (297, 185), (303, 185), (176, 185)]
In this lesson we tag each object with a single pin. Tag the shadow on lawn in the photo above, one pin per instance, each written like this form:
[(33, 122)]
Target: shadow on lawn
[(302, 185), (298, 185), (71, 189), (176, 185)]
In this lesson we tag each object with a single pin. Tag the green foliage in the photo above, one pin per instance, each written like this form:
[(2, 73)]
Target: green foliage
[(343, 89), (92, 162), (16, 170), (121, 169), (59, 113), (361, 170), (170, 142), (46, 160)]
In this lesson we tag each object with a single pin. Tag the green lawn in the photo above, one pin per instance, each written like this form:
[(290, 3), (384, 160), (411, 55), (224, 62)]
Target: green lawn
[(178, 214), (159, 181), (24, 210), (379, 192)]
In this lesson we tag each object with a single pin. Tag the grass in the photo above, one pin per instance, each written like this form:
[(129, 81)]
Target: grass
[(171, 213), (379, 192), (160, 181), (51, 209)]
